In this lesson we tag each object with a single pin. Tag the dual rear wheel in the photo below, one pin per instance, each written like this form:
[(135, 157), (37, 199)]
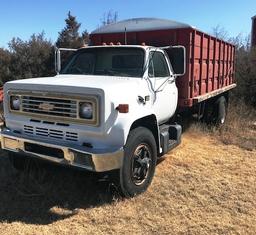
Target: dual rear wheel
[(216, 111)]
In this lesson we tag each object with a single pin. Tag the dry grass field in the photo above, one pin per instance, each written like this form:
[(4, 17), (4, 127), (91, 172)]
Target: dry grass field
[(205, 186)]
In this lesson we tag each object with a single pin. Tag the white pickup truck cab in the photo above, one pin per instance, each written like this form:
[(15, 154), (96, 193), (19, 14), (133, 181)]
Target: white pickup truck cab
[(109, 108)]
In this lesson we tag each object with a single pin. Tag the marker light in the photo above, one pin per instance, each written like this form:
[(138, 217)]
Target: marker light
[(123, 108)]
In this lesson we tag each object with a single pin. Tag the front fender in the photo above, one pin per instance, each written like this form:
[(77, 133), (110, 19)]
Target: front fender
[(126, 121)]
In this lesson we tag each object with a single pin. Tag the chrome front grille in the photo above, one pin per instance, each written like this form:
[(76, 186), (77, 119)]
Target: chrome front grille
[(54, 106), (49, 106), (52, 133)]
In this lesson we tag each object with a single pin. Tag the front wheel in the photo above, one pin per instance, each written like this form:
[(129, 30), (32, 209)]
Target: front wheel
[(140, 155)]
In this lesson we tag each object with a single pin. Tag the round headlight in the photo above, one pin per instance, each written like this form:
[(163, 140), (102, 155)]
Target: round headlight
[(86, 110), (15, 102)]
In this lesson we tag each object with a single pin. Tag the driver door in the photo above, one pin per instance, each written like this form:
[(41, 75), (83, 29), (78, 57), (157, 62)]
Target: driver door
[(165, 90)]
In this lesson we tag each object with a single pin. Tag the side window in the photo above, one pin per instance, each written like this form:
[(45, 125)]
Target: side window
[(151, 69), (158, 66)]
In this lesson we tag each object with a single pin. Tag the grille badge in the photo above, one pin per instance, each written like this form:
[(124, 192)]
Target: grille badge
[(46, 106)]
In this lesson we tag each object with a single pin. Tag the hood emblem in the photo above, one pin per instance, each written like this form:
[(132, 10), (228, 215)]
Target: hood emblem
[(46, 106)]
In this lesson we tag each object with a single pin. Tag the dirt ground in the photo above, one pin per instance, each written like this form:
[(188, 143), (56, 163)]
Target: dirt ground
[(202, 187)]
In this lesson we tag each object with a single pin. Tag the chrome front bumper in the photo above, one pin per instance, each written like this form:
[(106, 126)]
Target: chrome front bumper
[(82, 157)]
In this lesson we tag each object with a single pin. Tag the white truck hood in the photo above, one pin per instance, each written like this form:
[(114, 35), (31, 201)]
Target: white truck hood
[(81, 81), (112, 90)]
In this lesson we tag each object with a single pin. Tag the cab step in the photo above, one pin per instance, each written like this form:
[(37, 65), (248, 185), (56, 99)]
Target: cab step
[(170, 137)]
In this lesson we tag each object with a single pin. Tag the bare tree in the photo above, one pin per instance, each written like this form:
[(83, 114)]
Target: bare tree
[(220, 32), (241, 41), (109, 17)]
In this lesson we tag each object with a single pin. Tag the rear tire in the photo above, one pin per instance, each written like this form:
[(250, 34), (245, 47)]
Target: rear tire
[(221, 106), (216, 112), (140, 155)]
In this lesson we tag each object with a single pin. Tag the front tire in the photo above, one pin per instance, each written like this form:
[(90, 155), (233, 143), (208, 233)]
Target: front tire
[(140, 155)]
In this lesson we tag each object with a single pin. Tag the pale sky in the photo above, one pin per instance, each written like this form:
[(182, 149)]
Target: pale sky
[(23, 18)]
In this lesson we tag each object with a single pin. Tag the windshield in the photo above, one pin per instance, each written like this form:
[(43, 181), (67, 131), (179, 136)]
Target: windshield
[(111, 61)]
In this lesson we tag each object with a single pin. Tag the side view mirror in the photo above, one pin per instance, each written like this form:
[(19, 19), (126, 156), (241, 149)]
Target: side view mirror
[(57, 57), (177, 57)]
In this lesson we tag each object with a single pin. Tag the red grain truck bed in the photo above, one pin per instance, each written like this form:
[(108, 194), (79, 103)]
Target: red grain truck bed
[(209, 60)]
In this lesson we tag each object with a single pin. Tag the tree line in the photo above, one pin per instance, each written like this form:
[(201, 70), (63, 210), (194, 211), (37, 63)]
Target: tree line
[(35, 57), (245, 66), (246, 75)]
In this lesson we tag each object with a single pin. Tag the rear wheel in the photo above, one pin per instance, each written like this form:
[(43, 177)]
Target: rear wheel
[(221, 106), (139, 162), (216, 111)]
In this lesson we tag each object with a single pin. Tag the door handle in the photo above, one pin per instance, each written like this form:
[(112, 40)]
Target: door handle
[(171, 81)]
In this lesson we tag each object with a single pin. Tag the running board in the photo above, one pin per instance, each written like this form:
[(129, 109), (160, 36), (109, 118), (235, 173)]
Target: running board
[(170, 137)]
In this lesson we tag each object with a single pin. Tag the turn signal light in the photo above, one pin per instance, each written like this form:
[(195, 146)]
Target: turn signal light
[(123, 108)]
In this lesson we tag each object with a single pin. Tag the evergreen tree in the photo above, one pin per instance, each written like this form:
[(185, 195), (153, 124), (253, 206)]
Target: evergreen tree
[(69, 37)]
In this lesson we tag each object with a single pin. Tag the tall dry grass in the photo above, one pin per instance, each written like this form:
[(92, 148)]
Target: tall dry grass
[(239, 128)]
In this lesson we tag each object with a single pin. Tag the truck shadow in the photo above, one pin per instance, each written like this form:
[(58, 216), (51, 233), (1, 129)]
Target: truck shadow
[(49, 193)]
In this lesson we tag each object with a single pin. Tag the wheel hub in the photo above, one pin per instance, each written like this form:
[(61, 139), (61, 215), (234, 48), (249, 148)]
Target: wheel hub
[(141, 164)]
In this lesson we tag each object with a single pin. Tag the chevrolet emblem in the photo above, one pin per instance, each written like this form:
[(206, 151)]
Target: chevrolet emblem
[(46, 106)]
